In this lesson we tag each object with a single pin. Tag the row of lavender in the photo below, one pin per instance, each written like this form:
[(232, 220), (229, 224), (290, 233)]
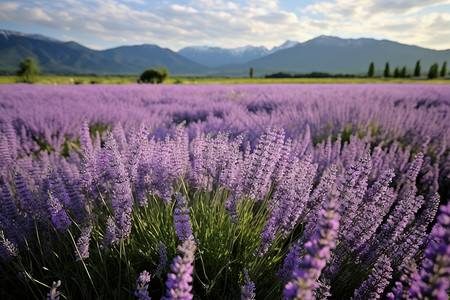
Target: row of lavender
[(342, 219), (49, 116)]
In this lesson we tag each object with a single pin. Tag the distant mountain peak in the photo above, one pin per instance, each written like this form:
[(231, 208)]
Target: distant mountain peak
[(8, 33), (286, 45)]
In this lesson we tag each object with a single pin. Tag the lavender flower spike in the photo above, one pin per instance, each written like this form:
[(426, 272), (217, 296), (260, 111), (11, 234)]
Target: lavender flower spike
[(82, 251), (54, 294), (373, 287), (432, 281), (178, 282), (162, 250), (308, 270), (142, 286), (248, 290), (181, 218), (7, 248)]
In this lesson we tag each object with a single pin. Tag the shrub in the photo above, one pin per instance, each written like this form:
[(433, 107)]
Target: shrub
[(154, 76)]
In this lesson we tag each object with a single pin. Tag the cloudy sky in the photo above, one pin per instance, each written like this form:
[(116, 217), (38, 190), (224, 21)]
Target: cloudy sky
[(174, 24)]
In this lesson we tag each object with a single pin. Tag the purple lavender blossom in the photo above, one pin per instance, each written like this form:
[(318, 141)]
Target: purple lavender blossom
[(58, 215), (231, 206), (162, 250), (285, 273), (82, 251), (122, 200), (142, 286), (432, 280), (248, 290), (181, 217), (8, 249), (112, 236), (54, 294), (373, 287), (178, 282), (309, 268)]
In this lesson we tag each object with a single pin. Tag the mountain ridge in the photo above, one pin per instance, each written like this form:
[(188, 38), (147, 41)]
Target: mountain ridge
[(322, 54)]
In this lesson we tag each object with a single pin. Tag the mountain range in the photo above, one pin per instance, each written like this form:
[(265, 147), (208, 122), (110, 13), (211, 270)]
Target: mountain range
[(322, 54)]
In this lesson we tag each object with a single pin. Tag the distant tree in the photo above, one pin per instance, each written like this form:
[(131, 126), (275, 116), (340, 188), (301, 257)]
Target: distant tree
[(396, 72), (387, 71), (417, 70), (434, 71), (444, 69), (154, 76), (250, 73), (371, 70), (403, 72), (28, 69)]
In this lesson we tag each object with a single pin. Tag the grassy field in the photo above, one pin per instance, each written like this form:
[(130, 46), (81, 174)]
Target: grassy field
[(213, 80)]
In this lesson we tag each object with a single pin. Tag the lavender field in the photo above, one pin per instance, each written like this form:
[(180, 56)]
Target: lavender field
[(225, 191)]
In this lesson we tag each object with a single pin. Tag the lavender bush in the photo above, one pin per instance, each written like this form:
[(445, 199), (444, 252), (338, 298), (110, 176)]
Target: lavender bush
[(339, 206)]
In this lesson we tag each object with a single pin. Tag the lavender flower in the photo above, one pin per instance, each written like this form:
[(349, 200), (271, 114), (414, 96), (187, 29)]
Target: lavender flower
[(285, 273), (82, 251), (181, 218), (122, 200), (58, 215), (142, 286), (54, 294), (162, 250), (112, 236), (248, 290), (8, 249), (432, 280), (373, 287), (309, 268), (178, 282)]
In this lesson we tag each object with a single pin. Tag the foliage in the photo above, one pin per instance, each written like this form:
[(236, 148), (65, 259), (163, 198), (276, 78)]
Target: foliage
[(154, 76), (387, 71), (417, 69), (250, 73), (444, 69), (371, 71), (309, 75), (434, 71), (28, 70)]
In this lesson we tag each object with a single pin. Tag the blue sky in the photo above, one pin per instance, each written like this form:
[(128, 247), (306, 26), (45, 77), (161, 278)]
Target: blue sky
[(174, 24)]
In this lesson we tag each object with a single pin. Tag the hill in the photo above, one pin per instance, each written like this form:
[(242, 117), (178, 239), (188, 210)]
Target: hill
[(322, 54)]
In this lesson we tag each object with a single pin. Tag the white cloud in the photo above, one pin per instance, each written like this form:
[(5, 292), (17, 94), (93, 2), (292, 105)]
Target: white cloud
[(7, 10), (231, 24)]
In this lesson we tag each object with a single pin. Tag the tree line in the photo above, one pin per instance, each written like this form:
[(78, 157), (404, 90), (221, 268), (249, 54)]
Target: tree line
[(402, 73)]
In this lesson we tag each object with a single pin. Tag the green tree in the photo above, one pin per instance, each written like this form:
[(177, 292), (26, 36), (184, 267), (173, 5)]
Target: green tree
[(434, 71), (250, 73), (417, 69), (154, 76), (387, 71), (403, 72), (28, 69), (371, 70), (396, 72), (444, 69)]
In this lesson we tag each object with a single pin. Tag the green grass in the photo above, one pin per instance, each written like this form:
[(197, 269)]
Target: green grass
[(212, 80)]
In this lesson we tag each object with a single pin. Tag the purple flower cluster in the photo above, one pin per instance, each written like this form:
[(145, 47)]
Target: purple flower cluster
[(142, 286), (179, 282), (373, 287), (295, 148), (181, 217), (54, 294), (308, 269), (162, 251), (432, 280), (248, 290), (82, 251)]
